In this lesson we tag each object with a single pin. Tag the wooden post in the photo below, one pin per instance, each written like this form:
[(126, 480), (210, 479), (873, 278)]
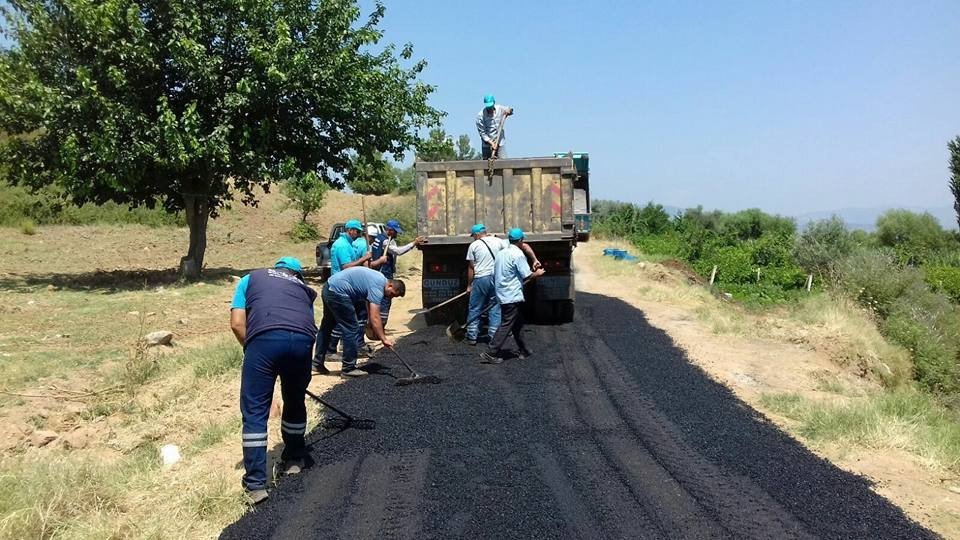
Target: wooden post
[(758, 275), (809, 282), (713, 274), (363, 213)]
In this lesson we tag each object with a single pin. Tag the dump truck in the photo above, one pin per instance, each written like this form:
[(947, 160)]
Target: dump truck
[(535, 194)]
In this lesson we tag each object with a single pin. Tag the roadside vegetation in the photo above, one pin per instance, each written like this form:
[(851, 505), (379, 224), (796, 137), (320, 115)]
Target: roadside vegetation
[(889, 298)]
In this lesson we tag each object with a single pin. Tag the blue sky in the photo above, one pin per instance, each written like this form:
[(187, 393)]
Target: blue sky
[(792, 106)]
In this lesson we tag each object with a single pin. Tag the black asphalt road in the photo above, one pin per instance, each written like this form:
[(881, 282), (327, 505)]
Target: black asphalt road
[(608, 431)]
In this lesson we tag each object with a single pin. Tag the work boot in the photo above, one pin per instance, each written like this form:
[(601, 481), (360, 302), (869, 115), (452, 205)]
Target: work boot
[(524, 353), (352, 373), (487, 358), (320, 369), (257, 496), (291, 467), (334, 357), (471, 342)]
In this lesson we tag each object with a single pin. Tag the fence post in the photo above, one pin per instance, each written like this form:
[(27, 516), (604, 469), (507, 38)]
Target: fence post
[(713, 274), (809, 281)]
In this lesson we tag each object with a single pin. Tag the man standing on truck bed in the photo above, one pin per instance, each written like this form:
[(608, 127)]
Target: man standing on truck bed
[(490, 125), (384, 252), (481, 255), (511, 269)]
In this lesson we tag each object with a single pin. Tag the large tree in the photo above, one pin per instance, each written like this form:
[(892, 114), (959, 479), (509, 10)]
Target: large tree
[(188, 103), (954, 147), (438, 146)]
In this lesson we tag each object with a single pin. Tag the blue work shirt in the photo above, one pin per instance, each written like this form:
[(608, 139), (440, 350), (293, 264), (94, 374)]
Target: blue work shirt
[(509, 271), (359, 283), (359, 247), (341, 253)]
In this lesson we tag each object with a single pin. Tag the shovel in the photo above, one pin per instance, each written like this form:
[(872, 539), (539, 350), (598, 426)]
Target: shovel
[(441, 304), (457, 332)]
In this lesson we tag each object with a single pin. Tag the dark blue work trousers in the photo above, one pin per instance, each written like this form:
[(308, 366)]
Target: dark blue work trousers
[(265, 357), (340, 312)]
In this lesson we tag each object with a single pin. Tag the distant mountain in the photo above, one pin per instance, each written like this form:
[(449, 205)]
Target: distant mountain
[(866, 218)]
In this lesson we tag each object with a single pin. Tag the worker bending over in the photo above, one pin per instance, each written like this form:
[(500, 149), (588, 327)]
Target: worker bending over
[(340, 295)]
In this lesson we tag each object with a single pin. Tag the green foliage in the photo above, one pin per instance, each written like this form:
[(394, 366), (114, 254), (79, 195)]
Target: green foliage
[(49, 206), (183, 107), (28, 227), (913, 236), (821, 244), (945, 279), (954, 148), (306, 194), (404, 211), (876, 279), (628, 220), (371, 175), (304, 231), (929, 327), (439, 146), (668, 244), (753, 223), (406, 180)]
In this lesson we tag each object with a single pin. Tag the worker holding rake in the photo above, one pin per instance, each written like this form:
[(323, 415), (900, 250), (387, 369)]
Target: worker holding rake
[(272, 318)]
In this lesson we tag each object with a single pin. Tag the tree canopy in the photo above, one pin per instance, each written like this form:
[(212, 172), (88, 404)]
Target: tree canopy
[(187, 103), (439, 146)]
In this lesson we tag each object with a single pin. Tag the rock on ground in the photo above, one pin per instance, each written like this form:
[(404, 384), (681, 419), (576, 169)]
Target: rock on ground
[(160, 337)]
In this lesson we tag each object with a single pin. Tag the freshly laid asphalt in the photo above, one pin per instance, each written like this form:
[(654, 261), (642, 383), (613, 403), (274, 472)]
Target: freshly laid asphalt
[(608, 431)]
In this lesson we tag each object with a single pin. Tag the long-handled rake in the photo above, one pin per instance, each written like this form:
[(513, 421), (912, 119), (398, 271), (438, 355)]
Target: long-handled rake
[(346, 421), (414, 377)]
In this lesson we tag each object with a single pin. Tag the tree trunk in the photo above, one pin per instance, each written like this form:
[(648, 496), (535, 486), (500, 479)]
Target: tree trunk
[(197, 212)]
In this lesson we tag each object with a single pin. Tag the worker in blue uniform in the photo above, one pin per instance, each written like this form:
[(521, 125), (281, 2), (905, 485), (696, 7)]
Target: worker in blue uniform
[(341, 294), (383, 257), (272, 318), (346, 252)]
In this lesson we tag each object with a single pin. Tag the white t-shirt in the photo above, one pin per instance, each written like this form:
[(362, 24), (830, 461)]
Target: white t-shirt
[(482, 257)]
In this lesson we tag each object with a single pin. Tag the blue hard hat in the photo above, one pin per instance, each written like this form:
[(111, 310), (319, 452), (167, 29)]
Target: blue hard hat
[(353, 224), (478, 228), (488, 100), (395, 225), (290, 263), (515, 234)]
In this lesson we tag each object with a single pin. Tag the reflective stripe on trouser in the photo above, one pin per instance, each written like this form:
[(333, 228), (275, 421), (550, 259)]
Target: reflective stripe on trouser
[(362, 322), (482, 294), (338, 310), (512, 323), (269, 355)]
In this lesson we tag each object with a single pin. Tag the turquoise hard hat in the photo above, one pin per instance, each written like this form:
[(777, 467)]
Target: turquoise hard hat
[(478, 228), (353, 224), (488, 100), (289, 263), (515, 234)]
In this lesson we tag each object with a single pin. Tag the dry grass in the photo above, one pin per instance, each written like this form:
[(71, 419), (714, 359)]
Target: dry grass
[(73, 303)]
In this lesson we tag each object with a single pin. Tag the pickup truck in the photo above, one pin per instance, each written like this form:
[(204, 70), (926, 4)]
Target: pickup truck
[(323, 248)]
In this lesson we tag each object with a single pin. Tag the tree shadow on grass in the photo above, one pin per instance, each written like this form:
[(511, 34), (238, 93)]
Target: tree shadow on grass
[(112, 281)]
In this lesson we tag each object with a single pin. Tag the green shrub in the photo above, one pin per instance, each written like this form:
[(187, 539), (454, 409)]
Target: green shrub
[(875, 279), (28, 227), (304, 231), (753, 223), (928, 325), (821, 244), (734, 265), (945, 279), (664, 244), (762, 294), (912, 236), (48, 206), (404, 211)]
